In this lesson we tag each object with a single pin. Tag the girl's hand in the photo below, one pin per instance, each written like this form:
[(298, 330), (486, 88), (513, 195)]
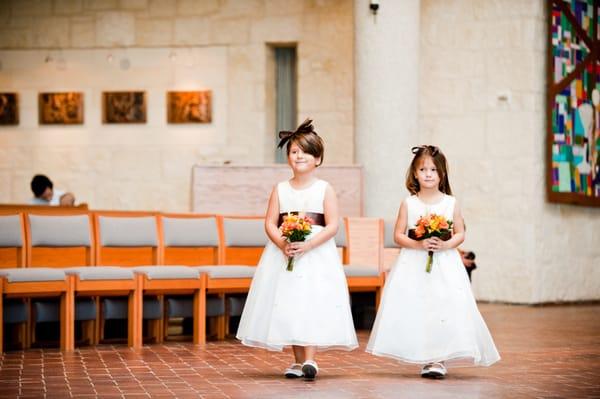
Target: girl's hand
[(437, 245), (287, 249), (427, 244), (298, 248)]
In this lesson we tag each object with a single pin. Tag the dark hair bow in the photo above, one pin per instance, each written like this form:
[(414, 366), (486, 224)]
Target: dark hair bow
[(305, 127), (432, 149)]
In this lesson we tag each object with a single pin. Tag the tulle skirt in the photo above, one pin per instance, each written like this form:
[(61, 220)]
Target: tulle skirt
[(431, 317), (309, 306)]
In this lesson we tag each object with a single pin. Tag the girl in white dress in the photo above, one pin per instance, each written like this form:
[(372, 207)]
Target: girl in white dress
[(307, 308), (432, 318)]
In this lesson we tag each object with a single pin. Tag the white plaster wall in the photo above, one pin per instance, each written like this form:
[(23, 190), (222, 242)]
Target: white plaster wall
[(472, 52)]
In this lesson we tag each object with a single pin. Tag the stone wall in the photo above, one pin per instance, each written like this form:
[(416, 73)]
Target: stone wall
[(219, 45), (473, 55)]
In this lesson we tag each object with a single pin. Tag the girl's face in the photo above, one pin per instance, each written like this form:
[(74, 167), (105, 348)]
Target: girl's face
[(300, 161), (427, 174)]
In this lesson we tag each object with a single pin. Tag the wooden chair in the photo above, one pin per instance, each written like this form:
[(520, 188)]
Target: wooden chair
[(58, 240), (128, 238), (364, 245), (12, 240), (105, 282), (193, 240), (13, 255), (243, 239), (138, 235), (41, 282), (49, 209)]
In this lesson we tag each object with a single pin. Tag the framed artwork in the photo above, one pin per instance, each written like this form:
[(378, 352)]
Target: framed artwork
[(573, 103), (124, 107), (61, 108), (9, 109), (189, 106)]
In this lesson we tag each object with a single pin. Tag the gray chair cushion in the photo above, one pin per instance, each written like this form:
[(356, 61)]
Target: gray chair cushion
[(168, 272), (361, 271), (183, 306), (46, 310), (235, 304), (228, 271), (190, 232), (101, 272), (128, 231), (14, 275), (245, 232), (117, 308), (14, 311), (180, 307), (10, 231), (215, 306), (388, 234), (49, 310), (152, 308), (59, 231), (340, 236), (85, 309)]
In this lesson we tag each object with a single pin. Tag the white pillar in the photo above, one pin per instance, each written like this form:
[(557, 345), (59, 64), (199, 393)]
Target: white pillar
[(387, 88)]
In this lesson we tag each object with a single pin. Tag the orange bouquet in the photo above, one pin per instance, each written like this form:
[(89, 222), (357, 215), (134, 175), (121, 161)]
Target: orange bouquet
[(431, 226), (295, 228)]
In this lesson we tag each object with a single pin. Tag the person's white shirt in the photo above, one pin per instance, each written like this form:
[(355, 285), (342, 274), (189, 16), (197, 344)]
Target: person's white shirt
[(56, 194)]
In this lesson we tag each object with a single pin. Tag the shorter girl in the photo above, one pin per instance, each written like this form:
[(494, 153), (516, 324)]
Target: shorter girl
[(430, 318), (308, 307)]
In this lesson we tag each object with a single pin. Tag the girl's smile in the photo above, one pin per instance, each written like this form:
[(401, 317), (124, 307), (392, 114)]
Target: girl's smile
[(301, 161), (427, 174)]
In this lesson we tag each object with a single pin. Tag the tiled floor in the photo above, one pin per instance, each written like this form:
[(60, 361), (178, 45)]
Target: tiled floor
[(547, 352)]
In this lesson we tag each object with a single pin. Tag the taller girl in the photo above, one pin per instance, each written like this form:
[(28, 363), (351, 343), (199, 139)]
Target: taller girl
[(307, 308), (431, 318)]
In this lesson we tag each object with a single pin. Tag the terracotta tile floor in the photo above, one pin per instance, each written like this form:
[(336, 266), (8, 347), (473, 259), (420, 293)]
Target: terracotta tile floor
[(548, 352)]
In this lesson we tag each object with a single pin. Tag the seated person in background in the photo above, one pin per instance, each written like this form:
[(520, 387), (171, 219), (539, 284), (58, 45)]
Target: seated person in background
[(67, 199), (468, 259), (44, 193)]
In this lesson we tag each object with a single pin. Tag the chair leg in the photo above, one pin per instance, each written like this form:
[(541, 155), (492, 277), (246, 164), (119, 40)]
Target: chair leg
[(199, 317), (156, 332), (100, 322), (30, 333), (67, 321), (162, 323), (134, 330), (23, 334), (88, 328), (221, 327), (222, 322)]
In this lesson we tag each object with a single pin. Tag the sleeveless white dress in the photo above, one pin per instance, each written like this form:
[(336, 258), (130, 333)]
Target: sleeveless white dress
[(431, 317), (308, 306)]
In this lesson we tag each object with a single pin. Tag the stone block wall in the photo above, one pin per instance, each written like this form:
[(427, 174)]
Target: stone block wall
[(221, 45), (473, 54)]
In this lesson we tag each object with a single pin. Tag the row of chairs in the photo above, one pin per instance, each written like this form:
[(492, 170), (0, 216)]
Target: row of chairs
[(179, 265)]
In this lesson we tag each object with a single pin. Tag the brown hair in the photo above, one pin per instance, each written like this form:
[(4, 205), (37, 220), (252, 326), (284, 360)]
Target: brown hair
[(439, 160), (306, 138)]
